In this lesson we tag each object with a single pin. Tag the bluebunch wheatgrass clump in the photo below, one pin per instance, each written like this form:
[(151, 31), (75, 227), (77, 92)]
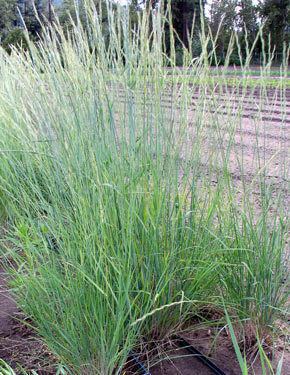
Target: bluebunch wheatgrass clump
[(121, 195)]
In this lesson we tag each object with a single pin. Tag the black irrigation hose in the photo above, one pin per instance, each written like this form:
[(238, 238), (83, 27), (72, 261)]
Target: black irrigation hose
[(139, 365), (184, 345), (202, 358)]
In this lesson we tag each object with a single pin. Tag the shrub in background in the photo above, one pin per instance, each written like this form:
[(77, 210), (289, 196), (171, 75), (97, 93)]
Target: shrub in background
[(15, 38)]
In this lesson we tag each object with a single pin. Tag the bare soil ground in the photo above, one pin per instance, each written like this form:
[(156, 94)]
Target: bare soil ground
[(19, 345), (216, 346), (258, 125)]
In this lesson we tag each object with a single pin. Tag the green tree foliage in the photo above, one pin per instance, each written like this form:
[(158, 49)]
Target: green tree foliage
[(276, 15), (15, 38), (71, 9), (223, 18), (10, 18), (247, 18), (247, 25), (8, 11), (185, 17), (29, 16), (183, 13)]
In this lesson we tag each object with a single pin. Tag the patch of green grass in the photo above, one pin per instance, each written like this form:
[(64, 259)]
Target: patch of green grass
[(238, 72), (256, 72), (212, 81)]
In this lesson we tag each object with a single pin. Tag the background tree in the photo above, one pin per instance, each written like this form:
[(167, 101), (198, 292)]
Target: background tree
[(276, 15), (70, 8), (247, 18), (7, 15), (30, 18), (223, 17), (247, 27), (15, 38), (183, 13)]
